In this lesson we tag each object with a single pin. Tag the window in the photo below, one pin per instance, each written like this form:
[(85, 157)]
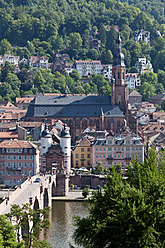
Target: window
[(109, 142), (82, 155), (88, 156), (30, 150), (76, 156), (8, 157), (96, 149), (118, 149), (100, 149), (76, 162), (25, 157), (88, 162), (115, 149), (3, 150), (8, 150), (109, 149), (82, 149), (20, 157), (25, 150), (88, 149), (14, 157), (100, 156), (19, 150), (104, 149), (132, 148), (96, 156), (31, 157), (14, 150)]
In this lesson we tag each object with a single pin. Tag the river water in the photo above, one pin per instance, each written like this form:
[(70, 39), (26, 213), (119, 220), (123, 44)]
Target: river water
[(61, 219)]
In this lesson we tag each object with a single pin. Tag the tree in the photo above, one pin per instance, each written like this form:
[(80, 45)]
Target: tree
[(13, 80), (5, 47), (86, 191), (147, 90), (23, 215), (7, 234), (130, 212), (8, 68), (75, 43)]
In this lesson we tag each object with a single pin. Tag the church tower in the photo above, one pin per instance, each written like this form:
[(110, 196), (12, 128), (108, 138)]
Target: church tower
[(119, 90)]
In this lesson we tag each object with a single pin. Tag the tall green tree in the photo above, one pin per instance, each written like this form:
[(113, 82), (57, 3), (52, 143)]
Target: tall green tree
[(130, 212), (7, 234)]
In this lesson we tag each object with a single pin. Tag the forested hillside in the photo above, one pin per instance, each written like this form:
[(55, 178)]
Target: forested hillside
[(153, 7), (38, 28)]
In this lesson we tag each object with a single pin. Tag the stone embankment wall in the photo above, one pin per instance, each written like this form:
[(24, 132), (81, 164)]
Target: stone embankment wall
[(83, 180)]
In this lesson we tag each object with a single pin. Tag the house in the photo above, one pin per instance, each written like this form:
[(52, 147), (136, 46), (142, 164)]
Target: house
[(118, 148), (141, 35), (87, 67), (135, 98), (19, 159), (23, 102), (59, 62), (133, 80), (82, 154), (106, 71), (94, 43), (143, 65), (14, 60), (157, 99), (39, 62)]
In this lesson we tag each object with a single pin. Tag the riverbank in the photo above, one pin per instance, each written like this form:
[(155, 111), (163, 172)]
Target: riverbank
[(74, 195)]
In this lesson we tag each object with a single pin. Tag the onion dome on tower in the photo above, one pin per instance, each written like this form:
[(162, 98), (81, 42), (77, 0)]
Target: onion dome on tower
[(119, 56), (45, 133)]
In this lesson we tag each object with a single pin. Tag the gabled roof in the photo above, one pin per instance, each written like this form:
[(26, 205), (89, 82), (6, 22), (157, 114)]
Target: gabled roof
[(135, 93), (17, 144), (73, 106), (84, 142), (158, 97)]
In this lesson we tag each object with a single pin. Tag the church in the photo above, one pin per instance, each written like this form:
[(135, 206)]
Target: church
[(92, 111)]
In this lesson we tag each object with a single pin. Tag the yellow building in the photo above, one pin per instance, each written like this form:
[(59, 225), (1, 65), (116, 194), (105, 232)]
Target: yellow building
[(82, 154)]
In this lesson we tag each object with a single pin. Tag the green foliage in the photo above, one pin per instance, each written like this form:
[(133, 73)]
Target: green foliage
[(22, 216), (99, 168), (86, 191), (7, 234), (130, 212), (163, 105)]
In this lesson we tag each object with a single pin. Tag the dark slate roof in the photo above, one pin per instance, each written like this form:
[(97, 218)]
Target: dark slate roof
[(158, 97), (73, 106)]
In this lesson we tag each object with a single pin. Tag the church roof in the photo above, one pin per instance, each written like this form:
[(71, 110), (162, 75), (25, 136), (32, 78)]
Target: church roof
[(73, 106)]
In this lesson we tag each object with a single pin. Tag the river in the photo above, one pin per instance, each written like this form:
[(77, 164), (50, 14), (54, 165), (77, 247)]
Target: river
[(61, 222)]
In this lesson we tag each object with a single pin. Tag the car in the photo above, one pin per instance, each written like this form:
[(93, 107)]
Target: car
[(37, 180)]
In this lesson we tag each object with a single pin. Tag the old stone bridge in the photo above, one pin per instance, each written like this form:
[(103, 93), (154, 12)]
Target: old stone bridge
[(38, 193)]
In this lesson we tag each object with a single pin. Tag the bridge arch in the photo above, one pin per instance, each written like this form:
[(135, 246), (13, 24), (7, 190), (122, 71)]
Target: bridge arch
[(36, 204), (53, 189), (46, 198), (25, 228)]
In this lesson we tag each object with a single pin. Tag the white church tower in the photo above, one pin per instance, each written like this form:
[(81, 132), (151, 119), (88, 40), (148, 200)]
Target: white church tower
[(65, 144), (46, 142)]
